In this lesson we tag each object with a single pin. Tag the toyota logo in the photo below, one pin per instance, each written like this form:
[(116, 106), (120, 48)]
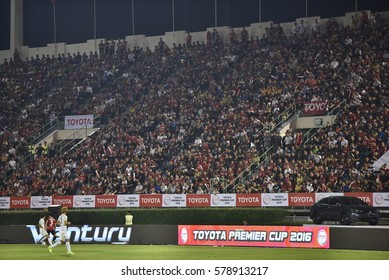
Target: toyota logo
[(122, 200), (215, 199), (35, 201), (379, 199), (266, 199), (167, 200), (77, 201), (184, 235)]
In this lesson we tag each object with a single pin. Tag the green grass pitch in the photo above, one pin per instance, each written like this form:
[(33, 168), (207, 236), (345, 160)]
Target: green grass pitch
[(171, 252)]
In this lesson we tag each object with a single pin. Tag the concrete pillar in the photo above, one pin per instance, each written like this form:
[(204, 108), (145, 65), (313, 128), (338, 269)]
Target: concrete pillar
[(16, 33)]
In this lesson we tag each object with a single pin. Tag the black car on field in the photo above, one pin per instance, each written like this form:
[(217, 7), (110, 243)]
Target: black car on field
[(343, 209)]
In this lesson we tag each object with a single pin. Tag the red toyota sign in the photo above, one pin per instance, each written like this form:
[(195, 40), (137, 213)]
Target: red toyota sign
[(366, 197), (248, 200), (198, 200), (106, 201), (20, 202), (66, 200), (301, 199), (150, 200), (316, 108)]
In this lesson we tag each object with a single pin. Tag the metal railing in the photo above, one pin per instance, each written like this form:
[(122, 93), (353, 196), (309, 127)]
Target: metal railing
[(333, 112), (280, 119), (64, 144), (72, 140), (284, 117), (263, 158), (43, 132)]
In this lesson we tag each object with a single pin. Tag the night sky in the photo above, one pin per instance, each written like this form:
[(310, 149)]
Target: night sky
[(75, 18)]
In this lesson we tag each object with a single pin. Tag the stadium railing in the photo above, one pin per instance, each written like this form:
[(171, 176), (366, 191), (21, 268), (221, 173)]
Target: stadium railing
[(281, 119)]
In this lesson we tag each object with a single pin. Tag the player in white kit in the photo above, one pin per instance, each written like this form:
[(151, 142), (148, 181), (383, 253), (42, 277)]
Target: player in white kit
[(64, 237), (43, 232)]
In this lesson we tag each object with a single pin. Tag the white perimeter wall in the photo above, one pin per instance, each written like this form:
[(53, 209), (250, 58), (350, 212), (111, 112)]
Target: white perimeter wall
[(177, 37)]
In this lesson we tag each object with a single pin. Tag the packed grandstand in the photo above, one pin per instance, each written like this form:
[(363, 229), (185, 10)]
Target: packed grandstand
[(192, 118)]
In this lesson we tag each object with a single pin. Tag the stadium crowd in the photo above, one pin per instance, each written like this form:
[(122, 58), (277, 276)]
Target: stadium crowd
[(175, 119)]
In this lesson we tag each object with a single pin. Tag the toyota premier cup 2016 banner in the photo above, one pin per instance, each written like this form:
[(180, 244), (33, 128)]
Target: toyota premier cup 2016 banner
[(259, 236)]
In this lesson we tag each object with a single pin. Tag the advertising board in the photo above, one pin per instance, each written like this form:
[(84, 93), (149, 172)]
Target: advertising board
[(259, 236)]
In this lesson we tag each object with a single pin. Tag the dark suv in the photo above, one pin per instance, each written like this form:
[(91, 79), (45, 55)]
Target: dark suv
[(343, 209)]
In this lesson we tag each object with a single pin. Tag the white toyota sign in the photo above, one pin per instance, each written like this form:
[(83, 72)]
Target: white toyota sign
[(128, 200), (5, 202), (381, 199), (223, 200), (80, 121), (174, 200), (84, 201), (274, 199), (40, 201)]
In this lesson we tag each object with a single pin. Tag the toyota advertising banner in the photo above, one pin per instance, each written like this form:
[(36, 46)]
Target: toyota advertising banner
[(301, 199), (20, 202), (381, 199), (198, 200), (128, 200), (65, 200), (80, 121), (151, 200), (184, 200), (5, 202), (84, 201), (319, 196), (366, 197), (173, 200), (248, 200), (275, 199), (41, 201), (223, 200), (106, 201), (255, 236), (315, 108)]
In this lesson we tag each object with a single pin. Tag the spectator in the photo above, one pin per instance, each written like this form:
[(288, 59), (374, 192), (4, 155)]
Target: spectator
[(226, 103)]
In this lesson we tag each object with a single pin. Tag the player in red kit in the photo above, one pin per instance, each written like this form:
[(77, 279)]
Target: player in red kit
[(50, 226)]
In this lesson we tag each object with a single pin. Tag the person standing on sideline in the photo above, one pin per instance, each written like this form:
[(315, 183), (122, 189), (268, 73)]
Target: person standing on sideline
[(64, 237), (128, 219), (50, 227), (42, 230)]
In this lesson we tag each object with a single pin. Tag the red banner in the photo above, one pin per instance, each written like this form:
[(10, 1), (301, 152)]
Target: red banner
[(366, 197), (150, 200), (198, 200), (108, 201), (258, 236), (316, 108), (20, 202), (301, 199), (248, 200)]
